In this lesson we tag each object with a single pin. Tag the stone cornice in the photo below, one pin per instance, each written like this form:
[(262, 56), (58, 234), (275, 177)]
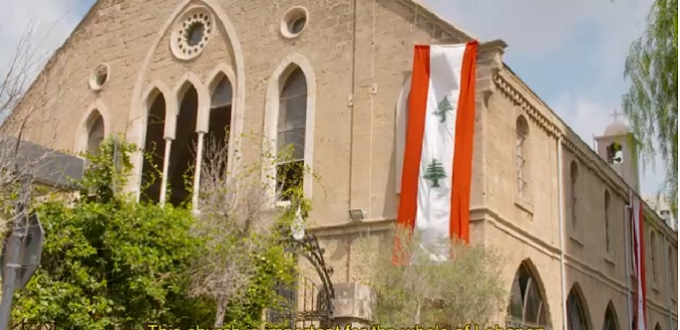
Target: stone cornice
[(509, 91), (574, 144)]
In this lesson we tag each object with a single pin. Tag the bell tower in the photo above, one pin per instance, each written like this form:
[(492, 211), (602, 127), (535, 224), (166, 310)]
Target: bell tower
[(616, 147)]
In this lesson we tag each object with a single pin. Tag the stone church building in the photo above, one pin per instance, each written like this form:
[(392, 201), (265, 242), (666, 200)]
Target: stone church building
[(327, 76)]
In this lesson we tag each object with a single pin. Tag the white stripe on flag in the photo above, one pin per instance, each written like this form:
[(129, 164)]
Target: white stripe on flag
[(434, 189)]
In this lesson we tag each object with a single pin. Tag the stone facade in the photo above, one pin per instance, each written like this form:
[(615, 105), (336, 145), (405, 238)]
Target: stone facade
[(356, 56)]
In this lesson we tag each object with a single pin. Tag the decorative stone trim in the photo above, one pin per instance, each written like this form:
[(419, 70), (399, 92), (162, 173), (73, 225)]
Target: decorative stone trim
[(137, 107), (509, 91), (191, 33), (99, 77), (294, 22), (518, 99)]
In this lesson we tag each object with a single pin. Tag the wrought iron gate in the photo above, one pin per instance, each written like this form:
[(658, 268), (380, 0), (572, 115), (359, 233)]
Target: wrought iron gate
[(306, 302)]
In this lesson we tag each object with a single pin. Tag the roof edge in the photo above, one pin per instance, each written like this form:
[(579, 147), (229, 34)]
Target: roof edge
[(50, 62), (565, 128)]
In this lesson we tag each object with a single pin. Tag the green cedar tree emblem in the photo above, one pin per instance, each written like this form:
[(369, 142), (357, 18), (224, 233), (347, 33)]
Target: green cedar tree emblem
[(435, 172), (443, 108)]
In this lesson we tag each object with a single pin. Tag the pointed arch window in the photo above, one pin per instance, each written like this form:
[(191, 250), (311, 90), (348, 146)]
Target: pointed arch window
[(573, 192), (95, 133), (219, 124), (154, 150), (183, 154), (291, 127), (607, 207), (526, 305), (610, 322), (521, 157), (576, 317)]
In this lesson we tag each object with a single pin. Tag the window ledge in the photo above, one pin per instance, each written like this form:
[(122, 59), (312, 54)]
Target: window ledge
[(525, 206), (576, 240), (608, 258)]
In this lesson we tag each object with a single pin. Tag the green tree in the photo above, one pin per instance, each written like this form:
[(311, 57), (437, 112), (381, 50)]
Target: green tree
[(435, 172), (651, 103), (465, 289), (443, 108), (109, 261), (242, 259)]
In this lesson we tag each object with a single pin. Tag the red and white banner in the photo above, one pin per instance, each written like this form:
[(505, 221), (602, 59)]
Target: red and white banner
[(437, 171), (639, 263)]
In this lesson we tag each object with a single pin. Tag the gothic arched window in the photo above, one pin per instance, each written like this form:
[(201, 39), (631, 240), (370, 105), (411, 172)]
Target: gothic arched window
[(607, 207), (183, 154), (521, 156), (576, 317), (290, 139), (573, 191), (95, 133), (610, 322), (526, 305), (215, 147), (220, 110), (154, 149)]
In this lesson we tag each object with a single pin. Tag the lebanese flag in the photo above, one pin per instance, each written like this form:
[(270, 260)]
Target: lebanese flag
[(639, 262), (437, 171)]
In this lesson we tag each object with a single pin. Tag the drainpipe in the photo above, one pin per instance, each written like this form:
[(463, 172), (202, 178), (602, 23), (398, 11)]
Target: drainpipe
[(560, 216), (626, 247)]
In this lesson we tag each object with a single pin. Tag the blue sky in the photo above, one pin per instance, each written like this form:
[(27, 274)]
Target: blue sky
[(571, 53)]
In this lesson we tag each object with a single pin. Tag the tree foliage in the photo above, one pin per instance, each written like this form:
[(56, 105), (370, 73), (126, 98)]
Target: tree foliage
[(110, 262), (651, 103), (242, 258), (465, 289)]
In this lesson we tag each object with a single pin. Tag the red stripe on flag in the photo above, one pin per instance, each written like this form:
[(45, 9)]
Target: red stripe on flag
[(641, 262), (408, 201), (459, 225)]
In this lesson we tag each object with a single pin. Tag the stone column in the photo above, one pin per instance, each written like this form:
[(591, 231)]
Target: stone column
[(353, 305)]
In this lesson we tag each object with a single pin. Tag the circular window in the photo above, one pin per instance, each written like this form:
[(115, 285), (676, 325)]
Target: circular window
[(294, 22), (191, 33), (99, 76)]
